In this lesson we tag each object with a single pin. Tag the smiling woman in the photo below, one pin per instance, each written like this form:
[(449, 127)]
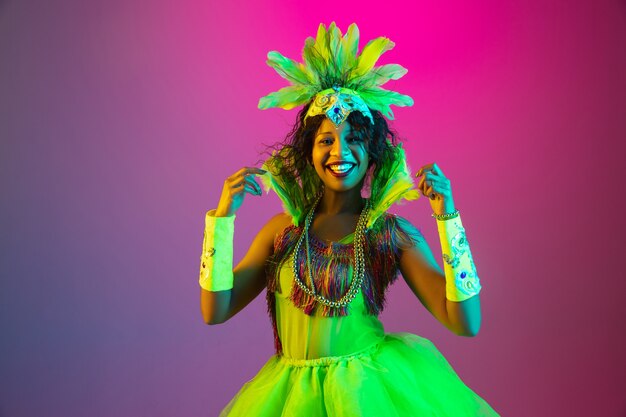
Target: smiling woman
[(328, 260)]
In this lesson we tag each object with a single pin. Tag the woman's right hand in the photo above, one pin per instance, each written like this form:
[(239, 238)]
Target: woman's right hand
[(235, 188)]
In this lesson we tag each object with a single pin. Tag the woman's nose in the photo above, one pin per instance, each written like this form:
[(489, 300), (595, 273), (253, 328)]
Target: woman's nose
[(340, 147)]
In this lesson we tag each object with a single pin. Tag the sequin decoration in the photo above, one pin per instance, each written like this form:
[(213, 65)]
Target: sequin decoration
[(468, 281), (458, 246), (204, 259), (337, 103)]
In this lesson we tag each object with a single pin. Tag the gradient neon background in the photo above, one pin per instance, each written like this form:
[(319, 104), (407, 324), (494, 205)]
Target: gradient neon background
[(120, 120)]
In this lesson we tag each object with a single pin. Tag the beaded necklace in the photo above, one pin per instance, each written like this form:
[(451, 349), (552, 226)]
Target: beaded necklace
[(359, 260)]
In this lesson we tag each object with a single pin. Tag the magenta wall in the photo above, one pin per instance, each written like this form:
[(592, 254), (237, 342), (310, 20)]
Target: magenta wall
[(120, 120)]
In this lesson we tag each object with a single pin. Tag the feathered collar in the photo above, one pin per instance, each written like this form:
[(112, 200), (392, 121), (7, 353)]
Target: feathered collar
[(391, 184)]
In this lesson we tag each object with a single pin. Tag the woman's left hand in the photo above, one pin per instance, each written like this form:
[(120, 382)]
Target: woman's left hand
[(436, 187)]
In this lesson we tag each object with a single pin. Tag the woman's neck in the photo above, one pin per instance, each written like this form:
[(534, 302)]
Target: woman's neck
[(347, 202)]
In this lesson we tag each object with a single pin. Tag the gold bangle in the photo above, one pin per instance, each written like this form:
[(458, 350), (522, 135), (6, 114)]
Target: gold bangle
[(446, 216)]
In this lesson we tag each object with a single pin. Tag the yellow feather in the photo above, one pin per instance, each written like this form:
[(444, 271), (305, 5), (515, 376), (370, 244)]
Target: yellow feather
[(350, 46), (321, 43), (372, 51)]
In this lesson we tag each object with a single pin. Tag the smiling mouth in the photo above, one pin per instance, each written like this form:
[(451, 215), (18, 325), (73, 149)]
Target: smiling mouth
[(341, 169)]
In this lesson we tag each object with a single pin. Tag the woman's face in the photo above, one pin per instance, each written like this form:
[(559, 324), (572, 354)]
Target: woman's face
[(339, 156)]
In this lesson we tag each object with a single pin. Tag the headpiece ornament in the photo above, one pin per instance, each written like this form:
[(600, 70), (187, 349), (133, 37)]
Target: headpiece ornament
[(335, 78)]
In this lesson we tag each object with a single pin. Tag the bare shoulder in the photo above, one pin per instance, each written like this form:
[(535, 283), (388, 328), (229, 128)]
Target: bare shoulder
[(263, 243), (275, 225)]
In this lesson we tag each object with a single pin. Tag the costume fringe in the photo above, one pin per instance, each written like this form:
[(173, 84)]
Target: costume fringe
[(332, 263)]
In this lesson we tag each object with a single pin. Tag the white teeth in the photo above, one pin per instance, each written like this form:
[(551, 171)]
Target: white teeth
[(340, 168)]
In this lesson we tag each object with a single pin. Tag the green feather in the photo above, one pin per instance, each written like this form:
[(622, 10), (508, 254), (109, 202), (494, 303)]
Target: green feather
[(289, 69), (271, 180), (370, 54), (287, 97), (334, 41), (380, 99), (296, 194), (380, 75), (313, 60)]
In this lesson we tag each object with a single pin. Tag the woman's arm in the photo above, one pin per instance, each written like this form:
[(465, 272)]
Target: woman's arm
[(224, 292), (249, 276), (427, 281)]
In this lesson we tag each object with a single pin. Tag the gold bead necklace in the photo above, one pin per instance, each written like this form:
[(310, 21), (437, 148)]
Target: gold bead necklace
[(359, 260)]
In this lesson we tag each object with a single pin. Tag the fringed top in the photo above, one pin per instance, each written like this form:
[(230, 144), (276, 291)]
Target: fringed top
[(331, 265)]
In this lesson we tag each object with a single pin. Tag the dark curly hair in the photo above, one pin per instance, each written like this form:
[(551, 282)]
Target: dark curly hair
[(293, 155)]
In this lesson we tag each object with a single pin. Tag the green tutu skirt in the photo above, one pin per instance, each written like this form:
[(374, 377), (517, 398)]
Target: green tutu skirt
[(400, 375)]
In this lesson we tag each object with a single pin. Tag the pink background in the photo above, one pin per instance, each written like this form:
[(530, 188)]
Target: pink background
[(120, 120)]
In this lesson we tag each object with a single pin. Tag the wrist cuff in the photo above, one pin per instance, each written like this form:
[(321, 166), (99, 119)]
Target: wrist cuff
[(216, 261), (462, 281)]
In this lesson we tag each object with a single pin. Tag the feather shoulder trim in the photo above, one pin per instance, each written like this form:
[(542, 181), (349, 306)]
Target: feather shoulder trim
[(392, 183), (297, 194)]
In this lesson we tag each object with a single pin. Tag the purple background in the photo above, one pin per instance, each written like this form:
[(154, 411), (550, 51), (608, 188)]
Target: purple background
[(120, 120)]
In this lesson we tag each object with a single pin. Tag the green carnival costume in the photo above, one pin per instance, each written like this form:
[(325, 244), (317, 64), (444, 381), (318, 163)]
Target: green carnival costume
[(347, 366), (333, 357)]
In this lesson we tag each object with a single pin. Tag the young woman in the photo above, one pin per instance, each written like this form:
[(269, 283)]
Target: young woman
[(327, 261)]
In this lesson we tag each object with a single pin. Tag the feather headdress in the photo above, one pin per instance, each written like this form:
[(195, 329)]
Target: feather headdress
[(337, 80), (332, 61)]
